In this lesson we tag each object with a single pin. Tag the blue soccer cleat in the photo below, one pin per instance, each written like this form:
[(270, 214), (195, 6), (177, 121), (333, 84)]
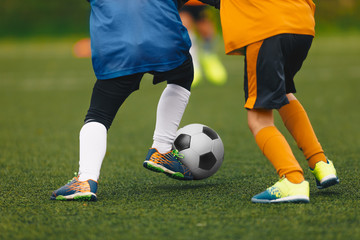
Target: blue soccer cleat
[(167, 163), (325, 174), (284, 192), (76, 190)]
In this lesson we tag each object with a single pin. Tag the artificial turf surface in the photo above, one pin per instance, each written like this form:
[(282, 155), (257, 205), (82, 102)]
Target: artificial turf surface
[(45, 93)]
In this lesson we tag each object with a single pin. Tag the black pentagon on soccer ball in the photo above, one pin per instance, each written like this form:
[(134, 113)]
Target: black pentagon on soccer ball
[(210, 133), (182, 142), (207, 161)]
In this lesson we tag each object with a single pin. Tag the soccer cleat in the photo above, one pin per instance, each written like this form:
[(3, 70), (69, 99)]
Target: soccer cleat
[(167, 163), (214, 70), (325, 174), (76, 190), (283, 192)]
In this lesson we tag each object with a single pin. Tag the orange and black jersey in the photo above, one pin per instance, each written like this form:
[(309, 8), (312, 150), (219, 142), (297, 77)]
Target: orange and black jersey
[(248, 21)]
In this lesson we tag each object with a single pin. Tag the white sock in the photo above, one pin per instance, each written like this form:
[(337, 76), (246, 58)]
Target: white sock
[(92, 150), (170, 110)]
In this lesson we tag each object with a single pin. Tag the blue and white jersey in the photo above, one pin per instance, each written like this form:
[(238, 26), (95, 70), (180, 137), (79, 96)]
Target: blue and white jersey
[(133, 36)]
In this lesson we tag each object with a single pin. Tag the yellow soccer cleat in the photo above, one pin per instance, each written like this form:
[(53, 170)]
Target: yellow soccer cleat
[(283, 192), (325, 174)]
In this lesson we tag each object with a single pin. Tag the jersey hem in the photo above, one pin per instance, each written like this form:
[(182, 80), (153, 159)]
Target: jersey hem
[(238, 47), (164, 67)]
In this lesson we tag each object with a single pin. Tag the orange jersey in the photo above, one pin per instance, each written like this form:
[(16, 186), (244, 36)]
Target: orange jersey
[(194, 3), (248, 21)]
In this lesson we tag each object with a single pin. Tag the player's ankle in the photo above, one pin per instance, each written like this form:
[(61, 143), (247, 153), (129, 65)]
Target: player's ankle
[(295, 177), (314, 159)]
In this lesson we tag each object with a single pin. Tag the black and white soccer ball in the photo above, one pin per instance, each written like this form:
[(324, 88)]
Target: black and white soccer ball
[(201, 148)]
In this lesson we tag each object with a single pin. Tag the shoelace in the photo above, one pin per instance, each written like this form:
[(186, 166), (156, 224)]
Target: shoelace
[(177, 154), (75, 175)]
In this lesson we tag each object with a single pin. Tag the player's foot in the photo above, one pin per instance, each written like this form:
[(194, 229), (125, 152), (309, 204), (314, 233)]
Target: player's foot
[(284, 191), (214, 70), (167, 163), (325, 174), (76, 190)]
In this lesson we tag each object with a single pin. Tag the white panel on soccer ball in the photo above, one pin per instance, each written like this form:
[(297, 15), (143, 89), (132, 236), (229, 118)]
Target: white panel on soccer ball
[(190, 159), (191, 129), (218, 149), (201, 143)]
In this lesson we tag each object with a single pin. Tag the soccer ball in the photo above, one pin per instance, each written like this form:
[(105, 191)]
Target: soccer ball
[(201, 148)]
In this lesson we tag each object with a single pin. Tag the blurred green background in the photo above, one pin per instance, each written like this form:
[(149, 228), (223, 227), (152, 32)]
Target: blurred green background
[(44, 95), (70, 17)]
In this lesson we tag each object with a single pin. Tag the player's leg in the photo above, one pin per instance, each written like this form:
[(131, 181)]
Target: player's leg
[(274, 145), (264, 91), (171, 107), (161, 157), (107, 97), (297, 122), (296, 119)]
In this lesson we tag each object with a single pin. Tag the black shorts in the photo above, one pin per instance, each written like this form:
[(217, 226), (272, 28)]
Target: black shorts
[(270, 67), (108, 95)]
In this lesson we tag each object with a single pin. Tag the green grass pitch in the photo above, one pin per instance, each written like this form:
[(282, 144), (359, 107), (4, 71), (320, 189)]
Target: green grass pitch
[(45, 93)]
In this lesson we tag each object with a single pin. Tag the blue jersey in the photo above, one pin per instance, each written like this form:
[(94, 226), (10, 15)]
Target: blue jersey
[(133, 36)]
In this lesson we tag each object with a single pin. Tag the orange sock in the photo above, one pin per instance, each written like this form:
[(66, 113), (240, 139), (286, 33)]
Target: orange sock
[(314, 159), (297, 122), (275, 147)]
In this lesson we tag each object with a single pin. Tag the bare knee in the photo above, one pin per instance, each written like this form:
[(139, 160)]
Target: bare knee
[(290, 96), (259, 119)]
